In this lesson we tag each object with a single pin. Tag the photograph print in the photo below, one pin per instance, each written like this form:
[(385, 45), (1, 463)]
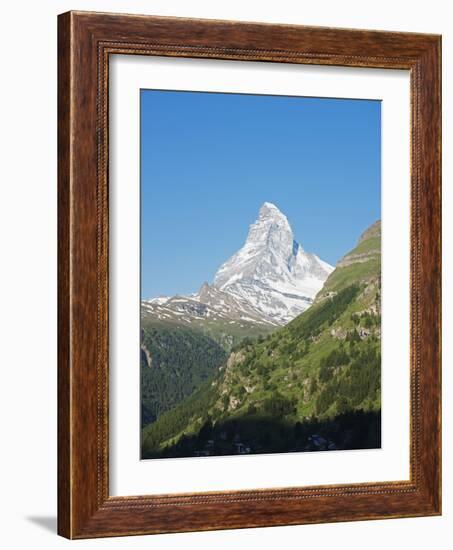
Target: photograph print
[(260, 274)]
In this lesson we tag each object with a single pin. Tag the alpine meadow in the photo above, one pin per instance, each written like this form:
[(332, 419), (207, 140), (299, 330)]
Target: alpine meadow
[(251, 340)]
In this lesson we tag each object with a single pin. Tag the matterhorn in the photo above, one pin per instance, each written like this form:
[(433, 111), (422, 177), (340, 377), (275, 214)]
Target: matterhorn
[(270, 280), (272, 273)]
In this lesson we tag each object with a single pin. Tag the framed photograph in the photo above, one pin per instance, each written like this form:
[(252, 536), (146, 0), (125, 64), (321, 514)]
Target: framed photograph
[(249, 275)]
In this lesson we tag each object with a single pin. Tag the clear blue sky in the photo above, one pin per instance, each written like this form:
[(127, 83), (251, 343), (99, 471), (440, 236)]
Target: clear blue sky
[(208, 162)]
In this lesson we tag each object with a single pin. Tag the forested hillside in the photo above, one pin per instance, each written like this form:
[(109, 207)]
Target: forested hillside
[(174, 362)]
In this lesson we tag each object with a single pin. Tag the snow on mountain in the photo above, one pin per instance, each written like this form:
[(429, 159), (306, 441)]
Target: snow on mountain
[(272, 272), (270, 280), (209, 303), (159, 300)]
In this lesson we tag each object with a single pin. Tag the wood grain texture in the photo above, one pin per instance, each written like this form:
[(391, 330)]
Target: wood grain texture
[(86, 40), (64, 366)]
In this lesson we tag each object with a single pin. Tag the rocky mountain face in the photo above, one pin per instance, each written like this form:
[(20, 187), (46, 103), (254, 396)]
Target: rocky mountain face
[(313, 384), (269, 281), (209, 304), (272, 272)]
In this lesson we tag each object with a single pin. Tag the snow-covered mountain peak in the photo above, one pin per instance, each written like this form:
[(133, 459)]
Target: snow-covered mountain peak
[(271, 279), (271, 229), (268, 209), (271, 271)]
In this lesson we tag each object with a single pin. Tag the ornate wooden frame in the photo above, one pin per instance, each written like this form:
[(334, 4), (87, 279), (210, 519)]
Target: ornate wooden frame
[(85, 41)]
